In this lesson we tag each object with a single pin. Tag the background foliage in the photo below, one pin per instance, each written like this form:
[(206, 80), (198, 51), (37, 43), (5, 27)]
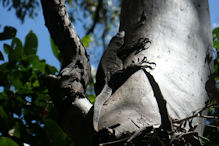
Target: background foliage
[(212, 126), (27, 114)]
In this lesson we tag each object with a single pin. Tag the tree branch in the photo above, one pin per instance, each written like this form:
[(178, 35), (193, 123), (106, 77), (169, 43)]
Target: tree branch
[(96, 17), (68, 88)]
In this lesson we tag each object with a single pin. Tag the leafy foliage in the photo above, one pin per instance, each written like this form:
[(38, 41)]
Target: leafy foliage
[(22, 7), (216, 38), (7, 141), (55, 50), (27, 114), (86, 40), (216, 46), (212, 128), (8, 33)]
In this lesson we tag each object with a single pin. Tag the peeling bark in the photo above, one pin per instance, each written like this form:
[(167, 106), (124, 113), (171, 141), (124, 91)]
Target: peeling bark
[(180, 38)]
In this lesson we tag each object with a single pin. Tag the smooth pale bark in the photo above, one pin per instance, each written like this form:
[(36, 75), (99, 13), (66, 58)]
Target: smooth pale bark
[(181, 40)]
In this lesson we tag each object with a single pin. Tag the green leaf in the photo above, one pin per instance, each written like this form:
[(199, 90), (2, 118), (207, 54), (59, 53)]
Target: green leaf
[(91, 98), (5, 141), (3, 96), (31, 59), (36, 83), (16, 43), (58, 137), (216, 38), (7, 48), (9, 32), (31, 43), (216, 32), (50, 69), (216, 44), (215, 67), (55, 49), (17, 83), (17, 48), (17, 132), (15, 51), (86, 40), (39, 65), (1, 56), (41, 100), (3, 114)]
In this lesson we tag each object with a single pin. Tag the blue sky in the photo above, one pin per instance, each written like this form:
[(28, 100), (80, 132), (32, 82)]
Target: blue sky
[(38, 27)]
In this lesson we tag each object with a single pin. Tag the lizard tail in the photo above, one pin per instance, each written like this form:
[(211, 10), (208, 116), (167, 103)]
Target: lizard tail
[(100, 100)]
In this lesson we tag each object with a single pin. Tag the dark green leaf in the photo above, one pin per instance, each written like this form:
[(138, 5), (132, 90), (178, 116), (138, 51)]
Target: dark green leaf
[(9, 32), (17, 48), (1, 56), (50, 69), (3, 96), (5, 141), (39, 65), (216, 32), (55, 49), (17, 83), (58, 137), (31, 44), (15, 51), (17, 132), (31, 59), (3, 114), (86, 40), (41, 100), (215, 68), (16, 43), (7, 48)]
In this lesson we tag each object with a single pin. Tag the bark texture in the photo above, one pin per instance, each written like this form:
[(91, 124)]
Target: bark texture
[(180, 37), (68, 88), (180, 41)]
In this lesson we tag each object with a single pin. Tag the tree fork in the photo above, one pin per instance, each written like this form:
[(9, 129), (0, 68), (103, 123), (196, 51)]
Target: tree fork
[(180, 38)]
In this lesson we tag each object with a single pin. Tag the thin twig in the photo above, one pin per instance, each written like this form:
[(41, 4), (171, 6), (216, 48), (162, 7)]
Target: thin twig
[(212, 126), (208, 117), (113, 142), (197, 114), (204, 138), (96, 17), (137, 133)]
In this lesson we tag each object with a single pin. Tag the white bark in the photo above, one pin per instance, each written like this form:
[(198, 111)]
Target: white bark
[(181, 39)]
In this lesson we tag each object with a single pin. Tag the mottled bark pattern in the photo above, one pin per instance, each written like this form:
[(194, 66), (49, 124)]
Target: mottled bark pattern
[(67, 89)]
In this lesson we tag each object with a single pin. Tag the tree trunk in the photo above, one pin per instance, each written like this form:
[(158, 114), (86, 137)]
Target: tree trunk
[(163, 95), (180, 37)]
